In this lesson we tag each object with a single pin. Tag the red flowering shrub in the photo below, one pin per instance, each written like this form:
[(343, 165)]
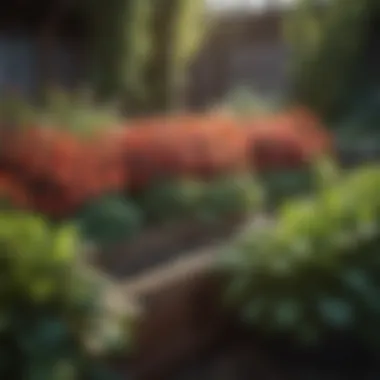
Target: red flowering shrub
[(61, 170), (286, 140), (197, 146), (12, 191)]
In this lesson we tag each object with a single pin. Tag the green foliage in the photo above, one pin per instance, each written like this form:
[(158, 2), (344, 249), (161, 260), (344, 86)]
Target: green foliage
[(52, 308), (245, 102), (142, 49), (15, 111), (287, 184), (120, 48), (327, 42), (316, 268), (110, 219), (360, 124), (172, 200), (203, 201), (77, 112), (72, 111), (178, 31), (231, 196)]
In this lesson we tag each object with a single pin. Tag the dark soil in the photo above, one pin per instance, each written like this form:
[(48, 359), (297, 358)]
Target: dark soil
[(354, 157), (241, 355), (248, 358)]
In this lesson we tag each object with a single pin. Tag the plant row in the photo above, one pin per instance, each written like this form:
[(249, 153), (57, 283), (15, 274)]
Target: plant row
[(67, 155), (113, 218), (54, 322)]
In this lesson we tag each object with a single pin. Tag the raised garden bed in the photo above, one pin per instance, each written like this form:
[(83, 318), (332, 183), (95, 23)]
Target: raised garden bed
[(185, 333), (167, 276), (183, 320), (179, 299)]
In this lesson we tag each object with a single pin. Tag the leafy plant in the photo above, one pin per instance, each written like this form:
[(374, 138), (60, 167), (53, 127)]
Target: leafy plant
[(173, 200), (74, 112), (205, 201), (52, 306), (62, 151), (316, 268), (231, 195), (243, 101), (110, 219), (77, 112), (324, 40), (286, 141), (281, 185)]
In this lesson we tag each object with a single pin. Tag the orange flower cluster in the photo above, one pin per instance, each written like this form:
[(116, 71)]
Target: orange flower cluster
[(208, 145), (183, 146), (12, 191), (60, 171), (286, 140)]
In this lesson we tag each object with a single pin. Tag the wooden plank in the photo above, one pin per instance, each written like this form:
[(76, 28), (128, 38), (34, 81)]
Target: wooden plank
[(181, 312), (159, 245), (115, 299), (169, 274)]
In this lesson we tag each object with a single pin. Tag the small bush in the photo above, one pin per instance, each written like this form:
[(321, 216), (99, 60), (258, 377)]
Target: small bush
[(231, 195), (110, 219), (316, 268), (53, 322), (220, 198)]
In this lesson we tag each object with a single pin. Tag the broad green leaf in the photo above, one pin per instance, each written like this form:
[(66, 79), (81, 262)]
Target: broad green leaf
[(65, 244), (287, 313), (356, 280), (41, 289), (254, 309), (336, 312)]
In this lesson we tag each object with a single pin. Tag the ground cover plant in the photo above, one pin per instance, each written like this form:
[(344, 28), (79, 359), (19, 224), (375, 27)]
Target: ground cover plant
[(54, 322)]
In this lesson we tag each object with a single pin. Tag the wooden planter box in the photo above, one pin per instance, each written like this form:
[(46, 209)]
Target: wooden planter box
[(182, 314), (177, 294), (185, 332)]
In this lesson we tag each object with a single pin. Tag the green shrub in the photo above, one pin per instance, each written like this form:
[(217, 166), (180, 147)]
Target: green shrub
[(172, 200), (243, 101), (204, 201), (286, 184), (316, 268), (110, 219), (231, 195), (74, 111), (53, 320)]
